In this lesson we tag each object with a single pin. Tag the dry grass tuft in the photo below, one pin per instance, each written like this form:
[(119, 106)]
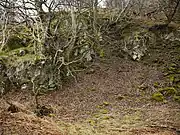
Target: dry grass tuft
[(26, 124)]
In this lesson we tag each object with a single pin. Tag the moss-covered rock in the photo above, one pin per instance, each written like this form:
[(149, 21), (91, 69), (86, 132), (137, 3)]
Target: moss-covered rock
[(158, 97)]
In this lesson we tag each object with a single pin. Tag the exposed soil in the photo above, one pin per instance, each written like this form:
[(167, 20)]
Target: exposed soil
[(112, 98)]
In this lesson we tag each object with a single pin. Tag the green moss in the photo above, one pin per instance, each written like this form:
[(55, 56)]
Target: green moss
[(2, 53), (132, 119), (171, 78), (102, 53), (178, 86), (52, 115), (106, 117), (177, 98), (3, 57), (96, 115), (105, 103), (173, 65), (91, 89), (176, 79), (172, 69), (14, 42), (99, 106), (92, 122), (156, 84), (103, 111), (168, 91), (158, 97)]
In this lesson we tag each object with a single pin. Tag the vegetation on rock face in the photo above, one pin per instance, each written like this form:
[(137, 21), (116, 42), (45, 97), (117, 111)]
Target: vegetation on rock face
[(69, 39), (48, 59)]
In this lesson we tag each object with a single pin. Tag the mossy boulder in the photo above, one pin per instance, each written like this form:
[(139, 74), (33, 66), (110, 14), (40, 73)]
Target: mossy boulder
[(158, 97), (136, 43)]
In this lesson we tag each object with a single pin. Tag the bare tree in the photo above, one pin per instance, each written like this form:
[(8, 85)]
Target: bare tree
[(169, 7)]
